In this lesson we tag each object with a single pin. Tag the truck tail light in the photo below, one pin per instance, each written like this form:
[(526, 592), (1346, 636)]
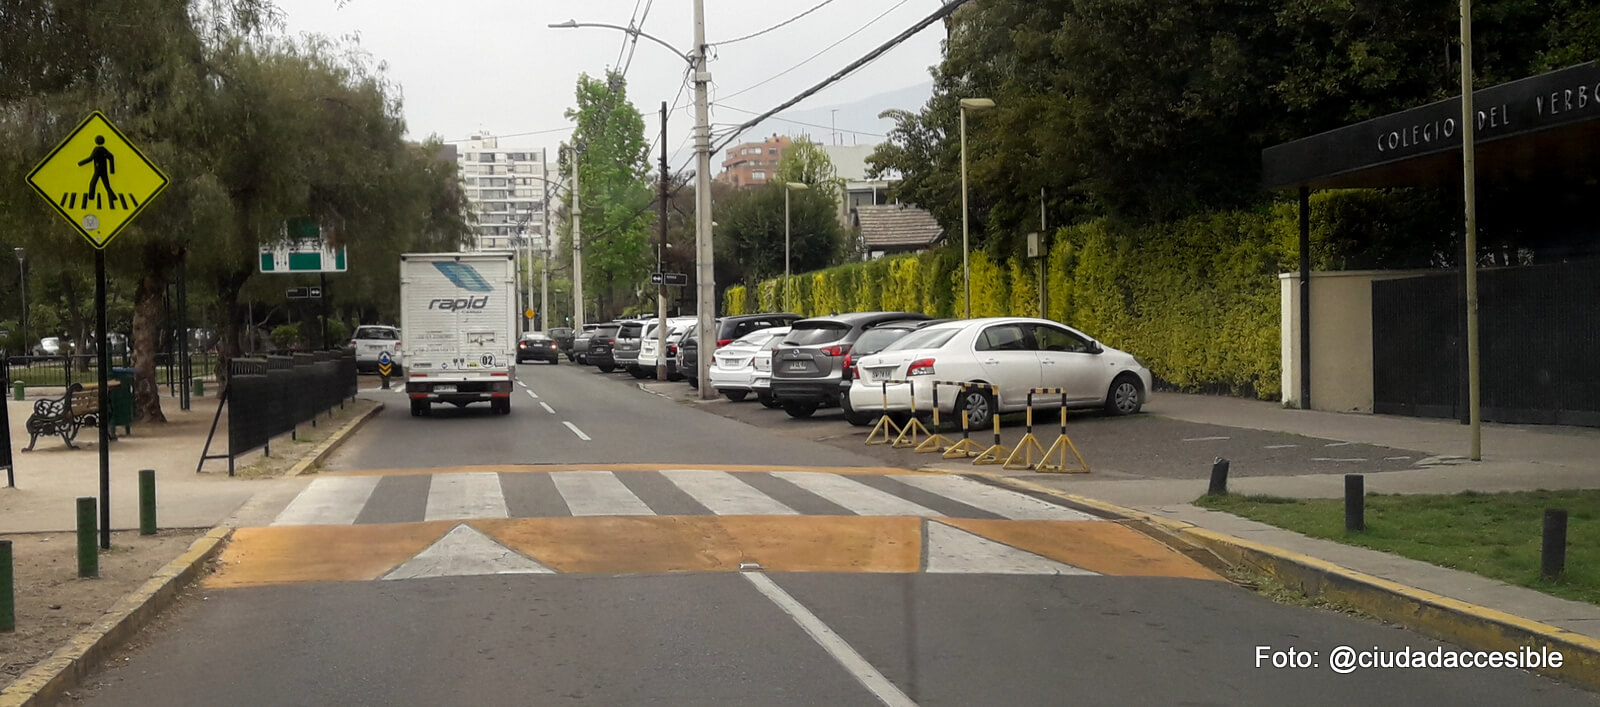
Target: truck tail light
[(920, 367), (836, 350)]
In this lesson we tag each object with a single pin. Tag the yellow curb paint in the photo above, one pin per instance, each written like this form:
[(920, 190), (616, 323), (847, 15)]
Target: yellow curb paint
[(652, 544), (306, 465), (543, 468), (1107, 548), (321, 553), (48, 681), (1442, 617)]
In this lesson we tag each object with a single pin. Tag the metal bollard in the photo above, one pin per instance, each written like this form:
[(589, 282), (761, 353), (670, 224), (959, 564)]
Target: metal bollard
[(1355, 503), (1553, 549), (8, 595), (1219, 477), (17, 390), (88, 553), (199, 388), (147, 501)]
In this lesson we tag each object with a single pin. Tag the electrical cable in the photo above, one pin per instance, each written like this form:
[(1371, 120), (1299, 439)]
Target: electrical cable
[(807, 60), (819, 6), (800, 122)]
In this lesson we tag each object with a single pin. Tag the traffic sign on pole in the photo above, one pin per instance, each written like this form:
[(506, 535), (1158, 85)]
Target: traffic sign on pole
[(669, 278), (97, 180)]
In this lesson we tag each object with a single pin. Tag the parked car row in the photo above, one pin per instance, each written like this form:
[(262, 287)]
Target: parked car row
[(872, 363)]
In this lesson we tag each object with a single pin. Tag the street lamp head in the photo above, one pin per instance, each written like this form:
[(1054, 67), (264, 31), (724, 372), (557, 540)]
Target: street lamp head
[(797, 186), (569, 24), (20, 253), (977, 103)]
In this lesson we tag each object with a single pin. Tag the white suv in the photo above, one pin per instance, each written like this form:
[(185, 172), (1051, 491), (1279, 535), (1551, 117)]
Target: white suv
[(371, 342), (649, 348)]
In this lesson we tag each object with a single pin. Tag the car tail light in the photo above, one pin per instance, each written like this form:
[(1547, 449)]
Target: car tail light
[(836, 350), (397, 344), (352, 343), (672, 349), (920, 367), (849, 368), (723, 342), (522, 344)]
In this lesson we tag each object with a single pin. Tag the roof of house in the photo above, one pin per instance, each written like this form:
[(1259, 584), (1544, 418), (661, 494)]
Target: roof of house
[(896, 226)]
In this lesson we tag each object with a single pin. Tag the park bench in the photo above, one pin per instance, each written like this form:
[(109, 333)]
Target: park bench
[(78, 408)]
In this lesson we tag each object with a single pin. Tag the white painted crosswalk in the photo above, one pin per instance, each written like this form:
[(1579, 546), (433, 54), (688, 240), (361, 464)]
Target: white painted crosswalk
[(465, 495)]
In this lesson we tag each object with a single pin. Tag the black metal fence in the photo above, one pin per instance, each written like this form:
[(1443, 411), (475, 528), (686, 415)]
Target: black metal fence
[(271, 395), (1539, 335), (63, 371)]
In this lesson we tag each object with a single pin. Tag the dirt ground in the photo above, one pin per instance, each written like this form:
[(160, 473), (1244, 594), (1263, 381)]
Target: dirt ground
[(53, 604), (287, 451)]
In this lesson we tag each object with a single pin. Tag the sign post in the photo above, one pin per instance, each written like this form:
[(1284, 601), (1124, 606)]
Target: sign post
[(71, 179), (385, 367)]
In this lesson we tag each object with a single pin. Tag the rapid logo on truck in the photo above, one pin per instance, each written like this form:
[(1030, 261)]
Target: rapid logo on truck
[(467, 278)]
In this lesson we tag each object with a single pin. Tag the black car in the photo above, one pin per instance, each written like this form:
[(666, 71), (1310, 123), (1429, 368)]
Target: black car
[(873, 341), (808, 369), (601, 345), (564, 336), (536, 346), (580, 344), (689, 356)]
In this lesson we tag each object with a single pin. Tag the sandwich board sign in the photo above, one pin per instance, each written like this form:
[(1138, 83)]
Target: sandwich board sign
[(302, 248), (97, 180)]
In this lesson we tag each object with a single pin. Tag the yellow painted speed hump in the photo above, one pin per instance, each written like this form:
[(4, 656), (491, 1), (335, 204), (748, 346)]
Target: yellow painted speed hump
[(97, 179)]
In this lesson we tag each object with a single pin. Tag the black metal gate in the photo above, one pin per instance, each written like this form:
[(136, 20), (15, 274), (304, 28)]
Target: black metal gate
[(1539, 339)]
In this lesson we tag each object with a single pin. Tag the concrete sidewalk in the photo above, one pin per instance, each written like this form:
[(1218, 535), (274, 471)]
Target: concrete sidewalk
[(1515, 457)]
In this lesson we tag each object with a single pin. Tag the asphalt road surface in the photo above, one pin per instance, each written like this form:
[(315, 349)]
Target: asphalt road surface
[(627, 549)]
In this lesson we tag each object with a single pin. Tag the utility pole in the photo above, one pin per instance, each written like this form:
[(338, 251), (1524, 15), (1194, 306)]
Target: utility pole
[(577, 243), (705, 272), (544, 243), (1044, 260), (1469, 181), (661, 244)]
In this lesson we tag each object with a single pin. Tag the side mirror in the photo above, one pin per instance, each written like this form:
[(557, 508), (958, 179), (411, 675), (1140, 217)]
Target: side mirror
[(1096, 348)]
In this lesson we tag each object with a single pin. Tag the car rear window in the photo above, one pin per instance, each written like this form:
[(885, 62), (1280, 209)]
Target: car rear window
[(629, 331), (385, 333), (812, 333), (923, 339), (874, 340), (605, 331)]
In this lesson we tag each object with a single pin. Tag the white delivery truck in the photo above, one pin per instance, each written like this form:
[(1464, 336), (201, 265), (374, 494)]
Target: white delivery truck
[(458, 313)]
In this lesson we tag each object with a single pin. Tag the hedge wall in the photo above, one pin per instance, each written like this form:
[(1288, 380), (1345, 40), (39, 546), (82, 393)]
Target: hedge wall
[(1196, 300)]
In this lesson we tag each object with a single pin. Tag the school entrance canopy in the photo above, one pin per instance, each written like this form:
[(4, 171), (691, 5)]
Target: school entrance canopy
[(1541, 128)]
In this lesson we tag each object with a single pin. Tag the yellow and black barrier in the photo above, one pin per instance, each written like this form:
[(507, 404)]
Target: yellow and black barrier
[(885, 431), (1055, 458), (935, 442), (912, 432), (966, 448)]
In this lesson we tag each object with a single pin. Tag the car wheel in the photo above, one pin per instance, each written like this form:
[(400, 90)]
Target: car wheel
[(636, 372), (694, 382), (857, 419), (607, 368), (799, 410), (1126, 396), (734, 395), (769, 402), (419, 408), (583, 360), (977, 403)]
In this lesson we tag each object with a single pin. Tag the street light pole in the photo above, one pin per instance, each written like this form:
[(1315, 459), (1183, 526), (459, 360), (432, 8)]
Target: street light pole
[(788, 187), (705, 271), (22, 280), (577, 245), (544, 244), (1469, 182), (966, 269)]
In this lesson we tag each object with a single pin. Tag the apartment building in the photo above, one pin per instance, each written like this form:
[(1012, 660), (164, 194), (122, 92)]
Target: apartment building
[(753, 163), (506, 187)]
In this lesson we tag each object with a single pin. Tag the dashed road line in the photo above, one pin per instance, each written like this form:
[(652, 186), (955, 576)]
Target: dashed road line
[(547, 407), (1205, 439), (532, 394), (1280, 446), (1338, 444), (576, 431), (1396, 459), (1337, 459), (857, 666), (523, 384)]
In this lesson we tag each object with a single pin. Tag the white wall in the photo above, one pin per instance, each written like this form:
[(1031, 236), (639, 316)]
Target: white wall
[(1341, 337)]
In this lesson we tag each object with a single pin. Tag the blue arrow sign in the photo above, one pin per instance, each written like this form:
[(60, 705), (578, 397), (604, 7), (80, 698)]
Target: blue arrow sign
[(384, 359)]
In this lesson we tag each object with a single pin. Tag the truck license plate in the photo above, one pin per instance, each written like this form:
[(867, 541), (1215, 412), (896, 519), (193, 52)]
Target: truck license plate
[(444, 389)]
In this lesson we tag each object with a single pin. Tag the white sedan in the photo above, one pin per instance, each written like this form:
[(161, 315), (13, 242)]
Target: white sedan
[(745, 365), (1014, 354)]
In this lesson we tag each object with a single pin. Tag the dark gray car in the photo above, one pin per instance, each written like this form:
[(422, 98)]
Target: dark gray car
[(625, 352), (808, 367)]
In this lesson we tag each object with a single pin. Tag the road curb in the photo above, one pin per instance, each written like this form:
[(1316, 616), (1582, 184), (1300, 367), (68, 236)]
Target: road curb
[(47, 682), (1463, 623), (326, 447)]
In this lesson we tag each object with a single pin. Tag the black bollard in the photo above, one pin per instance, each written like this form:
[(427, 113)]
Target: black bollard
[(8, 597), (1355, 503), (1553, 552), (147, 501), (88, 554), (1219, 478)]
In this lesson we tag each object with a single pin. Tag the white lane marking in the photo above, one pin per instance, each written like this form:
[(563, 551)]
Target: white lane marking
[(1008, 504), (1205, 439), (474, 494), (1337, 459), (857, 666), (1280, 446), (522, 383), (330, 500), (597, 493), (533, 395), (464, 551), (547, 407), (1396, 459), (860, 498), (724, 494), (575, 430), (1337, 444), (952, 550)]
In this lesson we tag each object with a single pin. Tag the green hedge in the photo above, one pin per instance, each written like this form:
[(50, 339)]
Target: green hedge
[(1196, 300)]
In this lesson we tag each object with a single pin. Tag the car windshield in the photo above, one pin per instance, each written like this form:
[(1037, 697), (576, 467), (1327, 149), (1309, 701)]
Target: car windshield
[(374, 332), (818, 332), (874, 340), (924, 339)]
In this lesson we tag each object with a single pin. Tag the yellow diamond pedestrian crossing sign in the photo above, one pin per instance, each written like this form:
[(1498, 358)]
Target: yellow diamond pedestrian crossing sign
[(97, 179)]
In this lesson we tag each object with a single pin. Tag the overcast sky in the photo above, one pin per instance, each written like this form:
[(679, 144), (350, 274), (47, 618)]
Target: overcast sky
[(494, 66)]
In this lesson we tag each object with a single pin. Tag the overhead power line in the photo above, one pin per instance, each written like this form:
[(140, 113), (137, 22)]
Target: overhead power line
[(753, 35), (801, 122), (937, 15), (522, 134), (807, 60)]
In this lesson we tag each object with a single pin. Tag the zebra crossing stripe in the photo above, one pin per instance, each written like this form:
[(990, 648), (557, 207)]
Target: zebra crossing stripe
[(334, 500), (859, 498), (597, 493), (725, 495), (471, 495), (1001, 502)]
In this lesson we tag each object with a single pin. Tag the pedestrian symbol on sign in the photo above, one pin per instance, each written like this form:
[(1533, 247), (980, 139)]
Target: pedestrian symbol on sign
[(105, 164)]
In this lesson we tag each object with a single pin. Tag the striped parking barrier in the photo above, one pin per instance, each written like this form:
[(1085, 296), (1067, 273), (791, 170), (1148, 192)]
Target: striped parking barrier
[(913, 429), (935, 442), (1058, 449), (998, 453), (885, 431), (1022, 457), (966, 448)]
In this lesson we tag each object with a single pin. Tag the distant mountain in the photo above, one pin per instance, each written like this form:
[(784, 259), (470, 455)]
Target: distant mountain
[(859, 116)]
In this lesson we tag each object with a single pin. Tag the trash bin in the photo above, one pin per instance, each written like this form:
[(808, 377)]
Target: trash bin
[(122, 399)]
